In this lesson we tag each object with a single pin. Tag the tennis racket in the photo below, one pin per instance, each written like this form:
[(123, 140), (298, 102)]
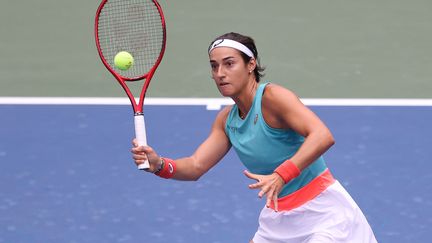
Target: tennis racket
[(137, 27)]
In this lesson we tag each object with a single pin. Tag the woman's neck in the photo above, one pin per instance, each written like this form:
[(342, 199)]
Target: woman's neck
[(245, 99)]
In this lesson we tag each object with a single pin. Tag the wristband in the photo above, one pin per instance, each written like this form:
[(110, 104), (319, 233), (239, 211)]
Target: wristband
[(160, 166), (168, 170), (287, 170)]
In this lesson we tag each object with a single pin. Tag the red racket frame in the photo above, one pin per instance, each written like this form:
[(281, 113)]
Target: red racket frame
[(137, 107)]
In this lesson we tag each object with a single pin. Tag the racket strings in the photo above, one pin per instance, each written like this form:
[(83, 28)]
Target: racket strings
[(133, 26)]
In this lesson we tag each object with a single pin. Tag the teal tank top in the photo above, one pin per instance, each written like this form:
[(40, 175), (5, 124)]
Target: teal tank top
[(262, 148)]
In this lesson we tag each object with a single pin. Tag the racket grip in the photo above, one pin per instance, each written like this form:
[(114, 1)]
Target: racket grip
[(141, 136)]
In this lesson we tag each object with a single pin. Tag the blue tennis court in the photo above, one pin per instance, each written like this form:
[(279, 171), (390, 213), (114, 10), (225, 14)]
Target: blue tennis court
[(66, 175)]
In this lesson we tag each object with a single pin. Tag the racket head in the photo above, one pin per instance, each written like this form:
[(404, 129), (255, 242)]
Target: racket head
[(135, 26)]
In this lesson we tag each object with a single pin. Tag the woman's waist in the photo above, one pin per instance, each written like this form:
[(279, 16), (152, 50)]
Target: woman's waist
[(293, 195)]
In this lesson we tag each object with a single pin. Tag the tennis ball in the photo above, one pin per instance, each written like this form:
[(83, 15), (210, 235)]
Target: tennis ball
[(123, 60)]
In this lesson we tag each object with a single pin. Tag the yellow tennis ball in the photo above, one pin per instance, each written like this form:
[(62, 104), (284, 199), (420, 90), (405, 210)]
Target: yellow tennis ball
[(123, 60)]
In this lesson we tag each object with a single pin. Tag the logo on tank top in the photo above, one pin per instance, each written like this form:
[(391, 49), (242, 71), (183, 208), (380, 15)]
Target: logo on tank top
[(232, 129), (256, 119)]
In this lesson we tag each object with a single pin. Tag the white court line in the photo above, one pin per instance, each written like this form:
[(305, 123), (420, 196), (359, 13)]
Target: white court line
[(210, 103)]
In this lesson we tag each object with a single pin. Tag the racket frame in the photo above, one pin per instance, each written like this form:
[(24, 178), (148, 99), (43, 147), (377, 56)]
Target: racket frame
[(138, 107)]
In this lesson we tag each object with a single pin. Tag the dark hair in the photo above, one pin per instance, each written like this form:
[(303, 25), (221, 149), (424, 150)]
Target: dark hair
[(249, 43)]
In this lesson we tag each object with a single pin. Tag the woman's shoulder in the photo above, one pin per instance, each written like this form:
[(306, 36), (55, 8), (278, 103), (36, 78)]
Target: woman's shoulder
[(275, 92), (277, 103), (226, 110), (223, 113)]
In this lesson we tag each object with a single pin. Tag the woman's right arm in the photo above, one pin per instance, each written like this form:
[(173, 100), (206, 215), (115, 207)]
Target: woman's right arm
[(208, 154)]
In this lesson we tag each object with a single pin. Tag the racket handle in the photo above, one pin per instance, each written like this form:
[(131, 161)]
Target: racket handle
[(140, 133)]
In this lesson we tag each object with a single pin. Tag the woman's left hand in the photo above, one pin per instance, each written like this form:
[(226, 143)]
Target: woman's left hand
[(270, 185)]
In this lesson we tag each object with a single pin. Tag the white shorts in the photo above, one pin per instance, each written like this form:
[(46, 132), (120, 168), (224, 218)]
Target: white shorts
[(332, 216)]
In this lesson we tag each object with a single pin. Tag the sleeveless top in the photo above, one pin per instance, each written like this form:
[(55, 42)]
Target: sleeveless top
[(262, 148)]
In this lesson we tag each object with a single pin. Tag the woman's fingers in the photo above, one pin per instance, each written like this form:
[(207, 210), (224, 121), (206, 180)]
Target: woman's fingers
[(256, 177), (268, 185), (275, 201), (251, 175), (272, 196)]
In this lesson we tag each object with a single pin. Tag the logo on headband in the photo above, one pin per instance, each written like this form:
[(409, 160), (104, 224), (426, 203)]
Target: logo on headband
[(216, 43), (233, 44)]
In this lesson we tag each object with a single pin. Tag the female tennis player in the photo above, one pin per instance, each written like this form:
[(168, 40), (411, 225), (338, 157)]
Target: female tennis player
[(280, 142)]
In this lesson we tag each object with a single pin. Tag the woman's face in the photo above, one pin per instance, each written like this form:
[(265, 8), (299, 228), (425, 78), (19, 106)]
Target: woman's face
[(229, 71)]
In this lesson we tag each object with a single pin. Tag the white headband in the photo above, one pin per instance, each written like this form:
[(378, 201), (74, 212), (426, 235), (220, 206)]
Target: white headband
[(231, 43)]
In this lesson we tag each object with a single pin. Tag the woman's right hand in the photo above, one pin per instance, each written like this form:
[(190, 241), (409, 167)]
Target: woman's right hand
[(140, 154)]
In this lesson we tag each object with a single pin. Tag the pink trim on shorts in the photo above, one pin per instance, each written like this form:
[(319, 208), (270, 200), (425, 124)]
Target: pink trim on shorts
[(306, 193)]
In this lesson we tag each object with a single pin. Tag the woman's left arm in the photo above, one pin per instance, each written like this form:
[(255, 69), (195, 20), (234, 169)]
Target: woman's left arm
[(281, 108)]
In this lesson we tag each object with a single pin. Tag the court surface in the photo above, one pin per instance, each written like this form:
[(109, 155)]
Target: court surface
[(66, 175)]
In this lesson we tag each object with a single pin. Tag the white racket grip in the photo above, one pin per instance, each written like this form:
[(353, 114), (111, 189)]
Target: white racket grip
[(141, 136)]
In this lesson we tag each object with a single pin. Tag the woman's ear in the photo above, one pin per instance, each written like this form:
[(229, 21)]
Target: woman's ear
[(252, 65)]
